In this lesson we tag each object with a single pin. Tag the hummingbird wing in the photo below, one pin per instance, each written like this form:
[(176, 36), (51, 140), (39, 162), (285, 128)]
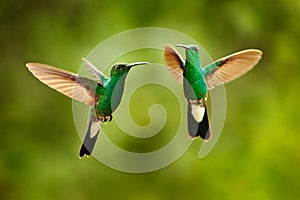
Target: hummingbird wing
[(96, 73), (198, 124), (174, 62), (69, 84), (91, 136), (231, 67)]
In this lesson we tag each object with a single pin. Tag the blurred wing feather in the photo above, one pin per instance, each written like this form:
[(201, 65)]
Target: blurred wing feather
[(69, 84), (231, 67), (96, 73), (174, 62)]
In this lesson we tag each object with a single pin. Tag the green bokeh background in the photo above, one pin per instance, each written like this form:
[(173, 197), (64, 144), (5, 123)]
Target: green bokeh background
[(258, 154)]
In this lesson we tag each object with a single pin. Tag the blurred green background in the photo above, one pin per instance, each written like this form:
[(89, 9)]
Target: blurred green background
[(257, 155)]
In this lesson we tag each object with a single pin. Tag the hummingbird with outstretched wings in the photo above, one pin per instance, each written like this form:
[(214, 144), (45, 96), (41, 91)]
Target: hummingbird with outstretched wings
[(103, 94), (197, 80)]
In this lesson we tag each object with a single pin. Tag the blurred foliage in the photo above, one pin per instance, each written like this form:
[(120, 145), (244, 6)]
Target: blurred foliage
[(257, 156)]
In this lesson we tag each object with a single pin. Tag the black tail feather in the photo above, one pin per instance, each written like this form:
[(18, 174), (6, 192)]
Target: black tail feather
[(88, 145), (198, 128), (84, 151), (90, 136)]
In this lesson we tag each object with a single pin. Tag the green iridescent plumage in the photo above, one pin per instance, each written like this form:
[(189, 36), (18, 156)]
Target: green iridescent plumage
[(102, 94), (197, 80)]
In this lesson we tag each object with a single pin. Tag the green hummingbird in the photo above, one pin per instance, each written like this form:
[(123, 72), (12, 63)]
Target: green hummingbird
[(197, 80), (102, 94)]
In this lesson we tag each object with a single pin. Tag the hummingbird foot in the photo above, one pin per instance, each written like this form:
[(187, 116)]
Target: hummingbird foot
[(105, 118), (101, 118), (108, 118), (201, 102)]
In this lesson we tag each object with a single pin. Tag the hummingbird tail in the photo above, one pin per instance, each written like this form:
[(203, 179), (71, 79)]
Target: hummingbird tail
[(88, 145), (90, 137), (198, 126)]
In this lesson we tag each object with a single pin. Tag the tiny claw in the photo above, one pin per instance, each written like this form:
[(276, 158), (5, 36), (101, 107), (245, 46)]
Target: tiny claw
[(102, 118), (105, 118)]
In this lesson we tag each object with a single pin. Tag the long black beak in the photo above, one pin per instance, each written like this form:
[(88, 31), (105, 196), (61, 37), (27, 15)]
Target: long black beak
[(136, 63), (182, 45)]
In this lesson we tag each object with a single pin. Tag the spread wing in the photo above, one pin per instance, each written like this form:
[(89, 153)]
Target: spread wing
[(69, 84), (231, 67), (174, 62), (96, 73)]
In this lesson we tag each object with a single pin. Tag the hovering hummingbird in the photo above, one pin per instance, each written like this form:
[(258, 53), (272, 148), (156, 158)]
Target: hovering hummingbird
[(197, 80), (102, 94)]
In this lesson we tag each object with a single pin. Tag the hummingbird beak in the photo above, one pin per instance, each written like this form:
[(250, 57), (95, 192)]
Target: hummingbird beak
[(136, 63), (183, 46)]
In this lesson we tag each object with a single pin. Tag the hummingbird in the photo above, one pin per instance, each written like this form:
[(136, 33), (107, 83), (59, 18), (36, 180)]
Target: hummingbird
[(197, 80), (102, 94)]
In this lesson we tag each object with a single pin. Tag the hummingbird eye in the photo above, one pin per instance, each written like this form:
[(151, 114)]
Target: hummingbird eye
[(196, 49), (117, 66)]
